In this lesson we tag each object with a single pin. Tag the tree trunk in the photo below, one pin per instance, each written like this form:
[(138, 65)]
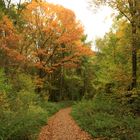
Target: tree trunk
[(41, 75), (62, 76), (133, 12), (61, 83), (134, 56)]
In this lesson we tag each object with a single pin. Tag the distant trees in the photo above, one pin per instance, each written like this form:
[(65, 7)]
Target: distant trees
[(116, 81), (113, 60), (130, 10)]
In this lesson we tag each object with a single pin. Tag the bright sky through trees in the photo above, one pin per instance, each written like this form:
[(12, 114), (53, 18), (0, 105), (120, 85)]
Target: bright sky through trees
[(96, 24)]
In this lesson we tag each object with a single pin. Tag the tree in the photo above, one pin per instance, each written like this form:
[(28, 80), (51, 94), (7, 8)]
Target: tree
[(130, 10), (10, 57), (53, 37), (113, 61)]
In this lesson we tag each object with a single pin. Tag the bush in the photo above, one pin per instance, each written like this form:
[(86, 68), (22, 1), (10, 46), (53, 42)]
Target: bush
[(105, 117), (23, 124), (53, 107), (22, 117), (22, 112), (50, 107)]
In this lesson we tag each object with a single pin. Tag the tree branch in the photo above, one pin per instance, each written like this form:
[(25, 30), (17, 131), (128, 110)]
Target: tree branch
[(122, 12)]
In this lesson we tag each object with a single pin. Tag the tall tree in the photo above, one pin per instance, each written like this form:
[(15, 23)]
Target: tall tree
[(54, 37), (113, 61), (130, 10)]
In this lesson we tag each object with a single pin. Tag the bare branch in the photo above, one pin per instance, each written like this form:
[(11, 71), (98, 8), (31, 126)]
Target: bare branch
[(123, 13)]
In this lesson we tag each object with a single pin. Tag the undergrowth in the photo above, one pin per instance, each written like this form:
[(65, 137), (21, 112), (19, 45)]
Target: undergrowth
[(105, 117)]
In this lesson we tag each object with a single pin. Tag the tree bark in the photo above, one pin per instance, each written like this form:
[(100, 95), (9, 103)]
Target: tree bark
[(134, 56), (133, 12)]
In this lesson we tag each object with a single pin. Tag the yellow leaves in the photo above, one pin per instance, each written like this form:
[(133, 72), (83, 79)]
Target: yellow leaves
[(122, 26), (123, 36)]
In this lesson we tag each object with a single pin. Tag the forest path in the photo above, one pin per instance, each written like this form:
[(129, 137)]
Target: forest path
[(61, 126)]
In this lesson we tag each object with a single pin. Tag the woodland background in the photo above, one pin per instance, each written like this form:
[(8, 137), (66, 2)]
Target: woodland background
[(46, 63)]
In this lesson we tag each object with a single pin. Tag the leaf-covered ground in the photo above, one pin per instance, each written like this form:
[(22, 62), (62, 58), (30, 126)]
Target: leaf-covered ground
[(62, 127)]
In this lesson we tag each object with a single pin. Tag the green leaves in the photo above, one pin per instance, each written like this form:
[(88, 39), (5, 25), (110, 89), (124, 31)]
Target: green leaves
[(5, 86), (105, 117)]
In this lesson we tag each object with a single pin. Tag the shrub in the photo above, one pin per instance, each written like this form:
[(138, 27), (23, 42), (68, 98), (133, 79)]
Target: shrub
[(23, 124), (105, 117), (22, 118), (22, 112), (51, 108)]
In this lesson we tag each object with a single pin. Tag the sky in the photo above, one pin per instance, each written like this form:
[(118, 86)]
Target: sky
[(95, 24)]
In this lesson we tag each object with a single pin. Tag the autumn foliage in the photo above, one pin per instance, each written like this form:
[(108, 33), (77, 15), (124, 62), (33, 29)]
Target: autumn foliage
[(54, 37), (10, 44), (43, 38)]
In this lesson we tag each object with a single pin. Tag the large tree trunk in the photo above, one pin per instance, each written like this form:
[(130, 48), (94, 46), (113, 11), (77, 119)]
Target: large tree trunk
[(134, 56), (133, 12)]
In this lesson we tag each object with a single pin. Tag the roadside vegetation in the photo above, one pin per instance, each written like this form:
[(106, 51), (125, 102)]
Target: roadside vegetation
[(105, 117)]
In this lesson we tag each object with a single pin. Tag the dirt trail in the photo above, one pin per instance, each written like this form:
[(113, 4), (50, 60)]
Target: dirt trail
[(62, 127)]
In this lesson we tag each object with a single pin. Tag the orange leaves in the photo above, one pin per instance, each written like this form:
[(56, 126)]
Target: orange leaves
[(83, 49), (6, 24), (39, 65), (86, 51), (13, 54), (53, 18), (7, 32), (9, 40), (56, 36)]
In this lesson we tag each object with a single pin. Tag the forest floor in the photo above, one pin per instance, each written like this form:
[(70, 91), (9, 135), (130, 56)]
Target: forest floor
[(61, 126)]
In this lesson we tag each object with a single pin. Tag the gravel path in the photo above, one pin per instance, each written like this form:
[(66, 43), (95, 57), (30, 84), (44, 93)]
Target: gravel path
[(62, 127)]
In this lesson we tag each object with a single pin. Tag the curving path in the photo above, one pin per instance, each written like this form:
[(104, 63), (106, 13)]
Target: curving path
[(62, 127)]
